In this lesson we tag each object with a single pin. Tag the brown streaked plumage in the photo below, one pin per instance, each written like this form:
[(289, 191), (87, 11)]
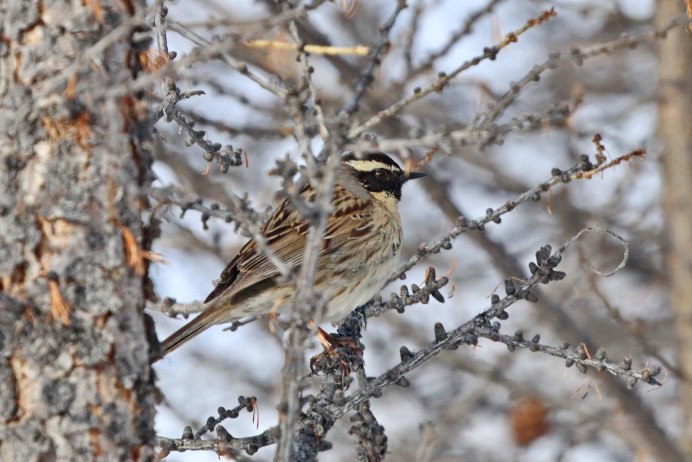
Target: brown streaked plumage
[(360, 249)]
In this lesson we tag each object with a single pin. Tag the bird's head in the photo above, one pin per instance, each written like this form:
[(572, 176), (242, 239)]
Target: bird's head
[(379, 174)]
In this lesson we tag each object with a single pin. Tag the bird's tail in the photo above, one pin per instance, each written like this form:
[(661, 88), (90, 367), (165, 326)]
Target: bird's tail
[(205, 320)]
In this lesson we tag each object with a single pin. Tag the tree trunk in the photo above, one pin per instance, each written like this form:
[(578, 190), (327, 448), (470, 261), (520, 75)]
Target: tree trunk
[(675, 131), (75, 381)]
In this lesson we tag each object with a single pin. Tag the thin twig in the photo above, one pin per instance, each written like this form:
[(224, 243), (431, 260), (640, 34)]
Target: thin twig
[(305, 303), (577, 56), (577, 357), (444, 79), (494, 215), (367, 76), (356, 50)]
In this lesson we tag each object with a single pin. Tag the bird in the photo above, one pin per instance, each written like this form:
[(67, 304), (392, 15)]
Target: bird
[(360, 249)]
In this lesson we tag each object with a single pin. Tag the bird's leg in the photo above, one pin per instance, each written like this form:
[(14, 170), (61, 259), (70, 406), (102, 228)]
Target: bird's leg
[(330, 342), (338, 352), (272, 316)]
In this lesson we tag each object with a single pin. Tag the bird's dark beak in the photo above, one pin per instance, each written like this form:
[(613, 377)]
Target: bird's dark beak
[(413, 175)]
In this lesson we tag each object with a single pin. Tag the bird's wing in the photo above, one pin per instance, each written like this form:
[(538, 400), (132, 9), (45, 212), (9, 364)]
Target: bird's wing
[(286, 234), (250, 272)]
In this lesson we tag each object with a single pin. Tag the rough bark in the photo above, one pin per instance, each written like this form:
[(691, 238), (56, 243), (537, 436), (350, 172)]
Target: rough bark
[(675, 132), (75, 383)]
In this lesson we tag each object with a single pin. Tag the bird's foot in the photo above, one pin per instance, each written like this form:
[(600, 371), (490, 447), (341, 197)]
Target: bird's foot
[(338, 351)]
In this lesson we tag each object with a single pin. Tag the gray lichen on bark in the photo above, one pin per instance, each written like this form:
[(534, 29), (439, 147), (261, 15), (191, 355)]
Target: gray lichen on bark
[(74, 377)]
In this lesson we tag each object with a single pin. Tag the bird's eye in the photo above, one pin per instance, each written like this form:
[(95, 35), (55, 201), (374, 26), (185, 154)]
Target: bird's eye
[(380, 175)]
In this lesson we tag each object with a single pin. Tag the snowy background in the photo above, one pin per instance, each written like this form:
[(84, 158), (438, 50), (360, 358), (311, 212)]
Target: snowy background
[(459, 405)]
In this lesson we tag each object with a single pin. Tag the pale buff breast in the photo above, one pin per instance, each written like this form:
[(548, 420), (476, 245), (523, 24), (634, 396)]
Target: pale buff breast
[(362, 278)]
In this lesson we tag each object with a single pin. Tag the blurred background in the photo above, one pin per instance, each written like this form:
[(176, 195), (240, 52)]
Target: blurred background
[(479, 403)]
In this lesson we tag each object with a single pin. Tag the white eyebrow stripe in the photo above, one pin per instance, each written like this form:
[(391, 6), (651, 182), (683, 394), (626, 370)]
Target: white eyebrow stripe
[(370, 165)]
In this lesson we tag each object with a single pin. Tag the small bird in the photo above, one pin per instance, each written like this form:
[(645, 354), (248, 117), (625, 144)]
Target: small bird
[(360, 250)]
